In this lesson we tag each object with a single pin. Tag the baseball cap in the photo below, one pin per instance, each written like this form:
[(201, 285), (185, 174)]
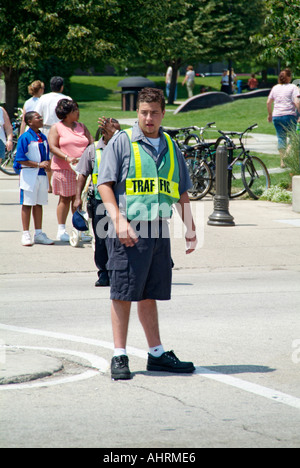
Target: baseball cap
[(80, 220)]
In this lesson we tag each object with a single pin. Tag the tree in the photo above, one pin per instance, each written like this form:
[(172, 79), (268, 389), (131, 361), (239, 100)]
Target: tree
[(180, 44), (209, 30), (226, 26), (281, 36), (79, 31)]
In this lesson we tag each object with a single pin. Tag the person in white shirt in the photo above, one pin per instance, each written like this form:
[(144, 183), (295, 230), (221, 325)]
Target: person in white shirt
[(46, 108), (225, 82), (283, 108), (35, 89), (189, 80)]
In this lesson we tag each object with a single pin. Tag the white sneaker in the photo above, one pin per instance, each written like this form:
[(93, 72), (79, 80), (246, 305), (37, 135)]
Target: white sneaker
[(84, 237), (42, 238), (63, 236), (26, 239)]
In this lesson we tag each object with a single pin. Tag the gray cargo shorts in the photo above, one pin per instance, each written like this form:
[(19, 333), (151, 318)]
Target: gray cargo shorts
[(143, 271)]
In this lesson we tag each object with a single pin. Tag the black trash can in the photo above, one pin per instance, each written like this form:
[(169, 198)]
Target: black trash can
[(130, 88)]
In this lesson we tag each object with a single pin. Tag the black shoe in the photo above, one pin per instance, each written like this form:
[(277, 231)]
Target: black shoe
[(119, 368), (168, 362), (103, 279)]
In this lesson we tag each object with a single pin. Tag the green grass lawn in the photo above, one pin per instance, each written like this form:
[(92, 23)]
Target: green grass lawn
[(100, 95)]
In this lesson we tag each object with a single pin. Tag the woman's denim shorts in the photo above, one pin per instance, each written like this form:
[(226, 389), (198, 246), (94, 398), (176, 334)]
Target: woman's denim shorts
[(283, 125), (2, 150)]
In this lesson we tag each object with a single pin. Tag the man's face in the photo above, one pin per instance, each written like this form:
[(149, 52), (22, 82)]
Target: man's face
[(150, 116)]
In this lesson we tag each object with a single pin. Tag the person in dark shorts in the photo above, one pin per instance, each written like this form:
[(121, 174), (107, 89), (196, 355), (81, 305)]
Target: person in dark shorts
[(142, 174), (88, 166)]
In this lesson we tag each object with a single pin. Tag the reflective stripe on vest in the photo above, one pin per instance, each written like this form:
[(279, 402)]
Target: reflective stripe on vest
[(151, 191), (98, 154)]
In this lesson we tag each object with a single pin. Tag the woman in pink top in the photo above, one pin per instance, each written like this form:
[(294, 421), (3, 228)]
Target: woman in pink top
[(286, 104), (67, 140)]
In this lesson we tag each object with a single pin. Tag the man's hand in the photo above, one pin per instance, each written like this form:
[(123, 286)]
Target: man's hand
[(108, 128), (125, 233), (46, 165), (191, 243)]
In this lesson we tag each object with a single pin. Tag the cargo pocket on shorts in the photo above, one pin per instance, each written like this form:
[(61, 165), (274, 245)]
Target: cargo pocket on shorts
[(117, 266)]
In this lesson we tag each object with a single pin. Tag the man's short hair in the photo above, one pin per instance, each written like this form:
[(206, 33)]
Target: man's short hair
[(151, 95), (56, 83), (29, 116)]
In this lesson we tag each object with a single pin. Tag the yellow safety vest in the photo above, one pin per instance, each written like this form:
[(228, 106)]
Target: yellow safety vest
[(150, 190)]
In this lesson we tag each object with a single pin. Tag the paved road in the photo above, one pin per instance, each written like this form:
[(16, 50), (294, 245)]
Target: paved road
[(234, 312)]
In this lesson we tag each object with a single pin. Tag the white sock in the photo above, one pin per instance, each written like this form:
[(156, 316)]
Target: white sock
[(61, 228), (26, 232), (157, 351), (120, 352), (38, 231)]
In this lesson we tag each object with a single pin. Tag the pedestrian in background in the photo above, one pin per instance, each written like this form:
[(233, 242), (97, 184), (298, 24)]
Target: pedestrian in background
[(67, 140), (46, 108), (252, 83), (283, 98), (6, 133), (33, 157), (189, 80), (36, 90), (225, 82), (89, 166), (168, 81)]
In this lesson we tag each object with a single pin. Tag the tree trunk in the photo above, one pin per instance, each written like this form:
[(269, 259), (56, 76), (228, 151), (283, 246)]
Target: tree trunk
[(11, 79)]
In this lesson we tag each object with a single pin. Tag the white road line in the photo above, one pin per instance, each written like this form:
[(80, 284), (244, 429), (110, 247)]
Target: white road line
[(249, 387), (95, 361)]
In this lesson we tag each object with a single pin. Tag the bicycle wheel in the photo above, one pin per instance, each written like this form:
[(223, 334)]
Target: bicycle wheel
[(236, 187), (192, 140), (6, 165), (255, 176), (201, 177)]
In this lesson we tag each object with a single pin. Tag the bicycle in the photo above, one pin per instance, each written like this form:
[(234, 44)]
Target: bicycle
[(199, 170), (246, 167), (185, 134), (182, 135), (6, 165)]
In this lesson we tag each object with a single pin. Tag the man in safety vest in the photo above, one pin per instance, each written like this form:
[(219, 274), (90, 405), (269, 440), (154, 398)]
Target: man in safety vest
[(142, 174), (88, 166)]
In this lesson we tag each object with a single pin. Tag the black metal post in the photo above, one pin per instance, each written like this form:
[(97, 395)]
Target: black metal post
[(221, 215)]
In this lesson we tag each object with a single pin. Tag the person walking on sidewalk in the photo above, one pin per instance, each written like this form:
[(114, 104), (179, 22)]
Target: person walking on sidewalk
[(189, 79), (142, 174), (89, 166), (284, 95), (32, 158)]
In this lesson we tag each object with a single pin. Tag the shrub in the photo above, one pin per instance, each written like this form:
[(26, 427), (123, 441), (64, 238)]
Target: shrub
[(277, 194), (292, 158)]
